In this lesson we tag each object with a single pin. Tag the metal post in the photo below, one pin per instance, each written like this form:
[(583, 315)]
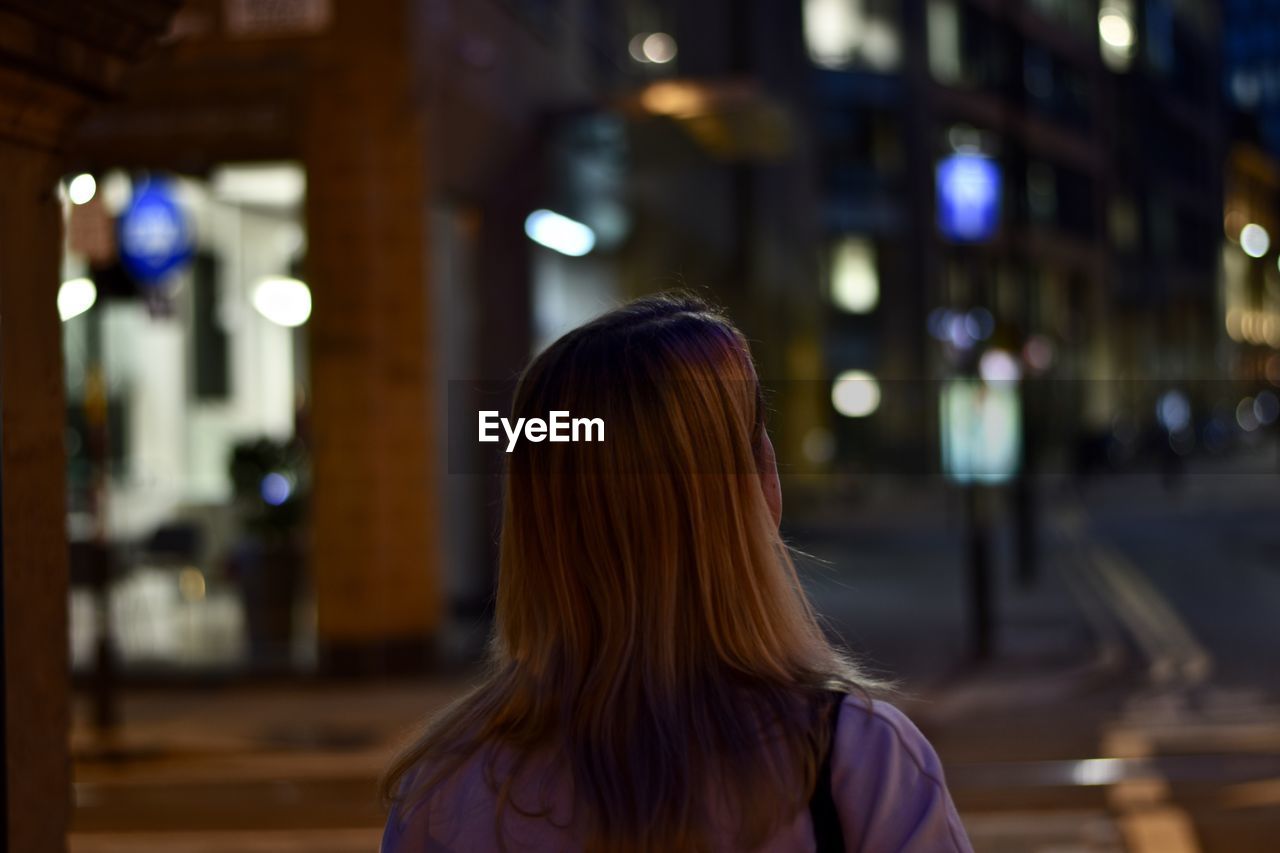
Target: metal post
[(980, 591)]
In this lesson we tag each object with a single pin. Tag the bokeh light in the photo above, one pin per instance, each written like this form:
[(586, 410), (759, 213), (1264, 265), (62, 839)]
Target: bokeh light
[(283, 301), (1254, 240), (855, 394), (75, 297), (275, 488), (659, 48), (82, 189), (559, 233)]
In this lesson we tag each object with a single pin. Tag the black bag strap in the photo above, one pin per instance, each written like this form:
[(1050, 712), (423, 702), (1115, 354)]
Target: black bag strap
[(822, 805)]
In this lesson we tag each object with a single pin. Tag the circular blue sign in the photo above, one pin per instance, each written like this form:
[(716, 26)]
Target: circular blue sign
[(155, 237), (968, 197)]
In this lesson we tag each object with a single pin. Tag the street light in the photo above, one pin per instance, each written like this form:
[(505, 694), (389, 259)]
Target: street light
[(559, 233), (1255, 240)]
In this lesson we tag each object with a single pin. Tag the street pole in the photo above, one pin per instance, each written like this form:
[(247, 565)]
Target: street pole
[(1024, 515), (97, 428), (1016, 163), (979, 558)]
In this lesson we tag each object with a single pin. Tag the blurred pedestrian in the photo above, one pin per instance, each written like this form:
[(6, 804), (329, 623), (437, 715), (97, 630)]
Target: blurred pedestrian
[(658, 680)]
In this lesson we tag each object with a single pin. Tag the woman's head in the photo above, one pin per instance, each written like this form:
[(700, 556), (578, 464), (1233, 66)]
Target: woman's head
[(650, 627), (608, 548), (676, 384)]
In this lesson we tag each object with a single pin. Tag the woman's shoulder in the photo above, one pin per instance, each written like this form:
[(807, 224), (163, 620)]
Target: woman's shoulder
[(872, 727), (458, 809), (430, 811), (888, 781)]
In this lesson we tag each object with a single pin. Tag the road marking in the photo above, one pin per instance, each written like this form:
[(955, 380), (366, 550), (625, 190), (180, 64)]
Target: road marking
[(1177, 657), (1043, 831), (1160, 829), (1148, 821), (1175, 660)]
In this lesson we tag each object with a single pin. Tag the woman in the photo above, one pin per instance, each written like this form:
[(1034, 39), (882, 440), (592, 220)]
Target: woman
[(657, 678)]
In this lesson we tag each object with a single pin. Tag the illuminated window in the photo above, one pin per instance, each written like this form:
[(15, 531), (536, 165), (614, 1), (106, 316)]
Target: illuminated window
[(843, 34), (945, 61)]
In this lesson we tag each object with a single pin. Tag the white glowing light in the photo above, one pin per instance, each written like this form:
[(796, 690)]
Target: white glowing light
[(559, 233), (283, 301), (855, 394), (855, 284), (75, 297), (1255, 240), (833, 32), (659, 48), (117, 189), (82, 188), (635, 47), (996, 365), (1115, 29), (1098, 771)]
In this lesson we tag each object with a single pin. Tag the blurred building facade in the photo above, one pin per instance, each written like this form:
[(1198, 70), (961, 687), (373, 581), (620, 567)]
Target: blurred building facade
[(1251, 282), (292, 478), (458, 183), (1106, 131)]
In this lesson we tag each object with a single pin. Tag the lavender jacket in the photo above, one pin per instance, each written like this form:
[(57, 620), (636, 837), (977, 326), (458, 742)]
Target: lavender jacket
[(885, 777)]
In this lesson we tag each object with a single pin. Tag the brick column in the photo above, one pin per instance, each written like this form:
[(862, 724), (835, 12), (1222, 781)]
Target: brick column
[(374, 517), (54, 63), (34, 558)]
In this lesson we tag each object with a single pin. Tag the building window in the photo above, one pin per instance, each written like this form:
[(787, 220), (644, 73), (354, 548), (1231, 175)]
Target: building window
[(846, 34), (944, 42)]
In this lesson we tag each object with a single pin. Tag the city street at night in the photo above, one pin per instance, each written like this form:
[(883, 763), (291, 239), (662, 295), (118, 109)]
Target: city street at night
[(1130, 703), (800, 426)]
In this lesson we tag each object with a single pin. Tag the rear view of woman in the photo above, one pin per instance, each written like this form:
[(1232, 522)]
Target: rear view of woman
[(657, 679)]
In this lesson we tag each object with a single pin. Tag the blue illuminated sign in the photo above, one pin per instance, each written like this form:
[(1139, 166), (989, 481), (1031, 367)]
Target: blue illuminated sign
[(968, 197), (155, 238)]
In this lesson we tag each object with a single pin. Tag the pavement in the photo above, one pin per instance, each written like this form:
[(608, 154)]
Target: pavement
[(1129, 703)]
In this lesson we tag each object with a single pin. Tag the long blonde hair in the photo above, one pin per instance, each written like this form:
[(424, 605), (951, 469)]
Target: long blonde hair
[(651, 632)]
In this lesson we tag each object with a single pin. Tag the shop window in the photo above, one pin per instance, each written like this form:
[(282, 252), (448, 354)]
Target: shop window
[(178, 376)]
